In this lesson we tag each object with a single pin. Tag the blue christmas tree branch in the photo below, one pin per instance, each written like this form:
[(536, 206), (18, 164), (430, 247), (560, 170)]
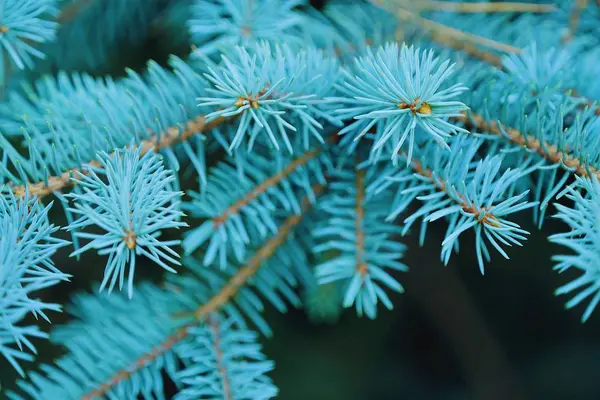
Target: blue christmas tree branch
[(273, 90), (24, 23), (469, 192), (224, 363), (219, 25), (397, 90), (354, 229), (131, 199), (583, 239), (149, 333), (26, 247), (223, 296)]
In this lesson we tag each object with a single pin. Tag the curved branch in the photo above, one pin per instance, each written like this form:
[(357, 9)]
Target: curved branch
[(220, 299)]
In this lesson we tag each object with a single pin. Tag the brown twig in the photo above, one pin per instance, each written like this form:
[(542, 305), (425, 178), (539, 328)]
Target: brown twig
[(359, 232), (215, 328), (574, 19), (483, 215), (172, 136), (491, 7), (549, 151), (265, 185), (72, 10), (455, 34)]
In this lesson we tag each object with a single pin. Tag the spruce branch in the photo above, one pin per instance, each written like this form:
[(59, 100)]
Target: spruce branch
[(470, 193), (548, 151), (481, 7), (583, 241), (354, 242), (456, 34), (215, 303), (131, 200), (171, 136), (467, 42), (265, 185), (575, 18), (396, 90), (254, 263), (225, 362), (214, 325)]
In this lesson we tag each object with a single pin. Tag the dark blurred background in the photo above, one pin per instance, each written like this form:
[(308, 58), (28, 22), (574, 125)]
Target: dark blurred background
[(454, 335)]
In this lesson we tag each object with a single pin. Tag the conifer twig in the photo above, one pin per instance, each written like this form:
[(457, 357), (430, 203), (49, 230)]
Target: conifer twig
[(484, 7), (575, 18), (214, 325), (216, 302), (72, 10), (548, 151), (455, 34), (265, 185), (469, 48), (166, 139), (487, 218), (361, 265)]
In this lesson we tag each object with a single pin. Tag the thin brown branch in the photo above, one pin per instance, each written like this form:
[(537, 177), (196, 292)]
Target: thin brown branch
[(359, 231), (549, 151), (491, 7), (72, 10), (140, 363), (469, 48), (265, 185), (216, 333), (455, 34), (219, 300), (483, 216), (172, 136), (575, 18)]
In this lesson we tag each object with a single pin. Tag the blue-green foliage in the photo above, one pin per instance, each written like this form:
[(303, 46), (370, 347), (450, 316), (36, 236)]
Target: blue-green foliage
[(23, 22), (109, 334), (583, 217), (365, 248), (152, 333), (27, 244), (314, 141), (131, 199), (470, 193), (219, 25), (58, 115), (395, 90), (225, 363), (273, 92)]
